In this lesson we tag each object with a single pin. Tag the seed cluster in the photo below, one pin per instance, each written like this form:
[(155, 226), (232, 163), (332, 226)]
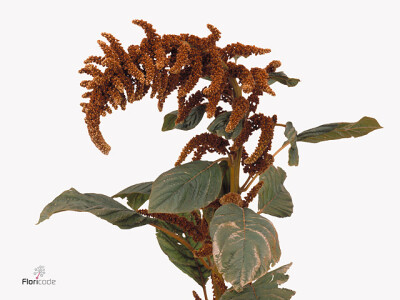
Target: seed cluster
[(163, 64), (196, 296), (205, 250), (231, 197), (205, 142), (252, 193), (198, 232), (240, 107)]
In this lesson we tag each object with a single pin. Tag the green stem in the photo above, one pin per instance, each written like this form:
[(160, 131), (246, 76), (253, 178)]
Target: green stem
[(237, 155)]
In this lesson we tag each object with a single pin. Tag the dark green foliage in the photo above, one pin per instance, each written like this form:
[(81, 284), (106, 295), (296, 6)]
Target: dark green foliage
[(193, 119), (282, 78), (186, 187), (181, 256), (99, 205), (291, 135), (136, 194), (219, 124), (265, 288), (334, 131), (245, 244), (273, 198)]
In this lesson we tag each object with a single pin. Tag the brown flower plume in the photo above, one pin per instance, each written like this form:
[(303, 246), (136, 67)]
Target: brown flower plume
[(198, 232), (260, 159), (196, 296), (202, 143), (240, 107), (231, 197), (252, 193), (164, 64)]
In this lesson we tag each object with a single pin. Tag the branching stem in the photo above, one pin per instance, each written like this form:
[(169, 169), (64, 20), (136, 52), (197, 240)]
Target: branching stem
[(281, 148)]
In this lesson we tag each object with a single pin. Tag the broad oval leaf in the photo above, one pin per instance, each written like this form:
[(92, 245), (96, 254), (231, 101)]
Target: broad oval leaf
[(291, 135), (245, 244), (136, 194), (219, 124), (181, 256), (273, 198), (334, 131), (192, 120), (99, 205), (265, 288), (282, 78), (185, 188)]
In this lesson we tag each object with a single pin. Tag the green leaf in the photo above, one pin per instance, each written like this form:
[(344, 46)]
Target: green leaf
[(169, 121), (219, 124), (185, 188), (281, 77), (136, 194), (99, 205), (191, 121), (273, 198), (265, 288), (245, 244), (225, 189), (334, 131), (291, 135), (181, 256)]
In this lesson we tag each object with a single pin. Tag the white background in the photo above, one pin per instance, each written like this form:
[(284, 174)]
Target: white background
[(343, 236)]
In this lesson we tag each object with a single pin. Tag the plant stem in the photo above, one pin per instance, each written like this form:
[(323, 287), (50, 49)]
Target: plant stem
[(245, 188), (237, 155), (282, 125), (281, 148), (234, 168), (182, 241), (204, 291)]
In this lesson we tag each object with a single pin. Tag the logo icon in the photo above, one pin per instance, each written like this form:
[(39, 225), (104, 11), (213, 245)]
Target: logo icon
[(39, 271)]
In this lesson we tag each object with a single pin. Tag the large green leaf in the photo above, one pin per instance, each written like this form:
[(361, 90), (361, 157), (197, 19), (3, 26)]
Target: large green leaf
[(291, 135), (99, 205), (334, 131), (273, 198), (136, 194), (219, 124), (185, 188), (181, 256), (265, 288), (245, 244), (191, 121), (225, 189), (281, 77)]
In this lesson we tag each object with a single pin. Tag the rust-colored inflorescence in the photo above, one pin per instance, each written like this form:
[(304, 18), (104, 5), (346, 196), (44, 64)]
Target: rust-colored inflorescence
[(205, 250), (164, 64), (260, 165), (252, 193), (231, 197), (272, 66), (202, 143), (198, 232), (240, 107), (184, 107), (267, 125), (196, 296)]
